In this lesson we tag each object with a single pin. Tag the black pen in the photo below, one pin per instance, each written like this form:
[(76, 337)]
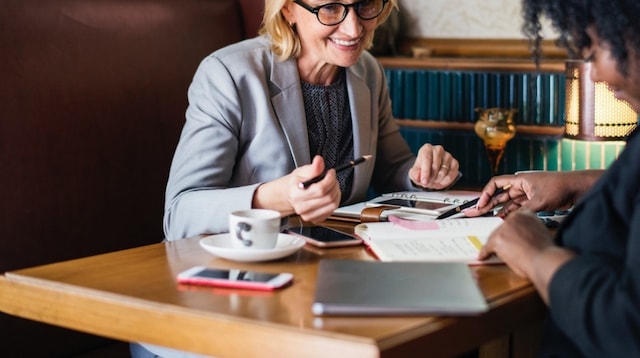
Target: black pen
[(349, 165), (469, 204)]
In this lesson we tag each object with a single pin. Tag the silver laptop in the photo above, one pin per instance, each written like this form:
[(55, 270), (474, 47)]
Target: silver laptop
[(352, 287)]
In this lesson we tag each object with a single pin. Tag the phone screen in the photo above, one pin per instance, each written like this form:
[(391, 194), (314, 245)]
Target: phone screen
[(428, 205), (323, 236), (236, 275)]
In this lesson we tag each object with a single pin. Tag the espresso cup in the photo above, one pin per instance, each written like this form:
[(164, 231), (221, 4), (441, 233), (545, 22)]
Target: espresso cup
[(254, 229)]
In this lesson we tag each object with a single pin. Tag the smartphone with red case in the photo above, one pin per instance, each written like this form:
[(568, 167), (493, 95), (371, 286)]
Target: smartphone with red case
[(207, 276)]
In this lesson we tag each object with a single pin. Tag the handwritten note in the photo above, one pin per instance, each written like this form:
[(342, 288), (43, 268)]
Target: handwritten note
[(457, 240), (451, 249)]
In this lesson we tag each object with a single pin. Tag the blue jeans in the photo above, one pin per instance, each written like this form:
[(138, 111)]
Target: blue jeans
[(138, 351)]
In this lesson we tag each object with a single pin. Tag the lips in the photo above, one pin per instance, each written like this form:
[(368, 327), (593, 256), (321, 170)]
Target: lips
[(345, 42), (618, 94)]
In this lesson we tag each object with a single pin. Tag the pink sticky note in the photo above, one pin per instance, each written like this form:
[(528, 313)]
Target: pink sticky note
[(412, 224)]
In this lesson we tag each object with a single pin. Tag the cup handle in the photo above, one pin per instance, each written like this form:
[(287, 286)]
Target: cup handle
[(240, 228)]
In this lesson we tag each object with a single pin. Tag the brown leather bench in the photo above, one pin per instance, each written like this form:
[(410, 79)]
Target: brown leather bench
[(92, 101)]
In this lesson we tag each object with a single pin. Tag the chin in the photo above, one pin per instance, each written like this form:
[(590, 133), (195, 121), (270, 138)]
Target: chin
[(346, 61), (632, 102)]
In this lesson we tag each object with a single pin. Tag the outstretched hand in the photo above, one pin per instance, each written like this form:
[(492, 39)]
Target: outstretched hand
[(535, 191)]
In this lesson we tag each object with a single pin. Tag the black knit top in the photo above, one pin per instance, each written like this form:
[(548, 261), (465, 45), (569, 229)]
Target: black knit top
[(329, 126)]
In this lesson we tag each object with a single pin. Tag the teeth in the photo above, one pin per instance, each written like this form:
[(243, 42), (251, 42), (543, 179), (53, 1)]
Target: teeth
[(345, 43)]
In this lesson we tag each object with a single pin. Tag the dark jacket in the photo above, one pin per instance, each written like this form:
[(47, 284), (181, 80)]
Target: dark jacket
[(595, 298)]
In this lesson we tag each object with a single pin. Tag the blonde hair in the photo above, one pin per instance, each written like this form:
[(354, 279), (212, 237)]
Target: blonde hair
[(284, 40)]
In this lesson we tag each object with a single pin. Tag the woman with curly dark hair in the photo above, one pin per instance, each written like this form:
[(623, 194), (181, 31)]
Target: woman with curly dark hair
[(589, 273)]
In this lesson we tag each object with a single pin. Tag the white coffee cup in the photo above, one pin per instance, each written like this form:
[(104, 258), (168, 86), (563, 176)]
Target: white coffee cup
[(254, 229)]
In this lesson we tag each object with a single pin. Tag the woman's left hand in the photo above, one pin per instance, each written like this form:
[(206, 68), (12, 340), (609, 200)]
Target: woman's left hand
[(435, 168), (527, 247), (518, 241)]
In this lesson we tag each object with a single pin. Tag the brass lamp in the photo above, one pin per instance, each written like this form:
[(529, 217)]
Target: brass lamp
[(591, 109)]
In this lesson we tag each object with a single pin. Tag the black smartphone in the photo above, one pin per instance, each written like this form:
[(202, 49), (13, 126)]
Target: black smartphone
[(410, 203), (322, 236)]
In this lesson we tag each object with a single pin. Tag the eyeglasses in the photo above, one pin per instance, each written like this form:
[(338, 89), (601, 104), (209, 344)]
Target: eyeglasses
[(334, 13)]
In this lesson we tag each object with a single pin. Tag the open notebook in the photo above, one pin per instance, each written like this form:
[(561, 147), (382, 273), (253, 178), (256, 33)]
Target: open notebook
[(450, 240), (353, 287)]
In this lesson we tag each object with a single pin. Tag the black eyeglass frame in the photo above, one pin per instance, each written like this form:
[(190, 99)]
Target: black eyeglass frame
[(356, 5)]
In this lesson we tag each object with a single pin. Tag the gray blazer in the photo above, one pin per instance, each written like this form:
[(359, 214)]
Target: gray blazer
[(246, 125)]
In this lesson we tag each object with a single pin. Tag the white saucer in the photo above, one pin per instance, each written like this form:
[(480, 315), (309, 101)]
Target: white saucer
[(220, 245)]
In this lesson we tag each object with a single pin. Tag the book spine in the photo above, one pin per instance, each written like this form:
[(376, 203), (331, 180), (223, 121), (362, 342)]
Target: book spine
[(398, 90), (409, 94), (433, 95), (469, 101), (445, 96), (457, 96), (422, 98)]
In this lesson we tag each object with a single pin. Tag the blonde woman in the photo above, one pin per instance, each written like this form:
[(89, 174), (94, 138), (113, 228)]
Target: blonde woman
[(270, 112)]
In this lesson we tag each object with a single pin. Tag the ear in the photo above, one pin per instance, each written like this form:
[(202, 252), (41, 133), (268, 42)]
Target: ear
[(288, 13)]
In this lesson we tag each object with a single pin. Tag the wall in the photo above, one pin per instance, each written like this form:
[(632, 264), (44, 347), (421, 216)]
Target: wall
[(488, 19)]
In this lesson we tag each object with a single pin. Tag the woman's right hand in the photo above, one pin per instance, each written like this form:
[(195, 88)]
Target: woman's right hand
[(535, 190), (313, 204)]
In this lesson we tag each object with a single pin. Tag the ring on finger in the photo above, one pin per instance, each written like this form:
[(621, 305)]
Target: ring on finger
[(444, 166)]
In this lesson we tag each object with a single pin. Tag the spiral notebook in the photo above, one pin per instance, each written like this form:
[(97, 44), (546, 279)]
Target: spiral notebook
[(416, 205), (353, 287)]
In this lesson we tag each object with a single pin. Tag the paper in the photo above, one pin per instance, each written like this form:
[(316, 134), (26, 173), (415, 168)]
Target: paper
[(447, 196), (353, 212), (350, 211), (455, 240), (450, 249)]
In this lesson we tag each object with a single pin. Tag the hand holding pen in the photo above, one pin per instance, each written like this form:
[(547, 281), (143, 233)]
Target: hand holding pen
[(535, 190), (470, 203), (346, 166)]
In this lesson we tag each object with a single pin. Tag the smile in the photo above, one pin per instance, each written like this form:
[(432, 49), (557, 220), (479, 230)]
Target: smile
[(346, 43)]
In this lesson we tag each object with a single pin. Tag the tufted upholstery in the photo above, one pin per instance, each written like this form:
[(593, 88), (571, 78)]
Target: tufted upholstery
[(92, 100)]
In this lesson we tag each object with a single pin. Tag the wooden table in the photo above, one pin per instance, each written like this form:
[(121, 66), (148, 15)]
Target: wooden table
[(132, 295)]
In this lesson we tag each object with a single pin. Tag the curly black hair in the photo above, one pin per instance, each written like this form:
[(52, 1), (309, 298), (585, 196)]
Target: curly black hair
[(615, 21)]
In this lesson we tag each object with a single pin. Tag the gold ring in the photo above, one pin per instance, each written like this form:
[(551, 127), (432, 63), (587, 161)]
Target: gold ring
[(444, 166)]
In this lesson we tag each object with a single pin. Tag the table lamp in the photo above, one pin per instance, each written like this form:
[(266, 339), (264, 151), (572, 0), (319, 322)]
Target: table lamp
[(592, 112)]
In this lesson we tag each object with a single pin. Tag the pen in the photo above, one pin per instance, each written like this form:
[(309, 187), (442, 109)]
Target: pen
[(469, 204), (343, 167)]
